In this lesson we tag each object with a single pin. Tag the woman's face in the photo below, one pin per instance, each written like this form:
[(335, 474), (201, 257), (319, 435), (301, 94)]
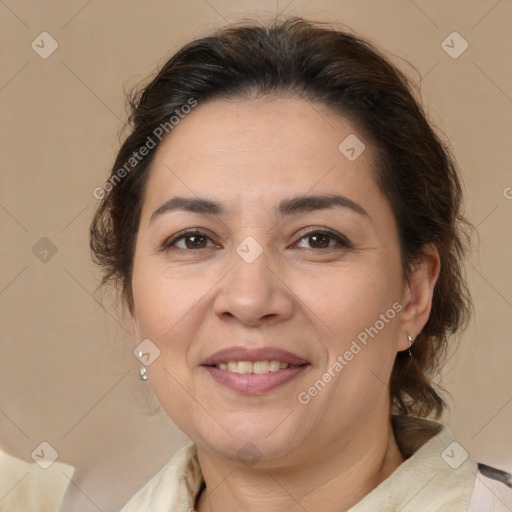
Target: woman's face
[(273, 269)]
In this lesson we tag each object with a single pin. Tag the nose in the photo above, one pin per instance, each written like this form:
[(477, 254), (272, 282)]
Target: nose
[(254, 293)]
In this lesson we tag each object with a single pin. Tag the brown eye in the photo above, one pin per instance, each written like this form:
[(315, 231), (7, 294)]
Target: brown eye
[(195, 241), (319, 241), (188, 240), (323, 240)]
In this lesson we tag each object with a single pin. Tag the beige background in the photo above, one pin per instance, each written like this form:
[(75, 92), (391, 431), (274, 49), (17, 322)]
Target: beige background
[(67, 373)]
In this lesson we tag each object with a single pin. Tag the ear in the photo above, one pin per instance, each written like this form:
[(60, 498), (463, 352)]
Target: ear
[(417, 296)]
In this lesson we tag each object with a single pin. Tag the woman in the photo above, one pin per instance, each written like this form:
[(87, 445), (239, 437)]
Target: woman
[(285, 228)]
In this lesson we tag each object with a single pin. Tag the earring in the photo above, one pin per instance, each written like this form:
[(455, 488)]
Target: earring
[(411, 341), (143, 375)]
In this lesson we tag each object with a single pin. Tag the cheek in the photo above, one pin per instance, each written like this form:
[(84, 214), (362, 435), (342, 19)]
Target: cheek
[(361, 315), (164, 310), (161, 297), (163, 307), (369, 328), (352, 299)]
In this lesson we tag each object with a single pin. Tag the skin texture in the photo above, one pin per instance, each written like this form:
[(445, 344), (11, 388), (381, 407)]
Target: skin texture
[(297, 295)]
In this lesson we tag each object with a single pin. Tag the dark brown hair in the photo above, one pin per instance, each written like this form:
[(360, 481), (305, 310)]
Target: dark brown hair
[(343, 72)]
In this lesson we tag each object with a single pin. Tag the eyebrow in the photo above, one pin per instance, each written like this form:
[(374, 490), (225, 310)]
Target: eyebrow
[(287, 207)]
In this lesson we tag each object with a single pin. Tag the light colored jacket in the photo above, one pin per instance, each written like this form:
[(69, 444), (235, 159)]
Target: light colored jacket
[(437, 476), (36, 487)]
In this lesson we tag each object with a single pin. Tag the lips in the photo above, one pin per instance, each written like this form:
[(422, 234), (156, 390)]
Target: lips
[(251, 383), (253, 355)]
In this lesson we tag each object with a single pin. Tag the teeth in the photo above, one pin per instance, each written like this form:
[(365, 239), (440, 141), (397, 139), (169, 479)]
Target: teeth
[(244, 367), (258, 367), (274, 366)]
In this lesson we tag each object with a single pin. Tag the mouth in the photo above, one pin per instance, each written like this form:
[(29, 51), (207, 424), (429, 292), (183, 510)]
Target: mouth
[(254, 368), (254, 372)]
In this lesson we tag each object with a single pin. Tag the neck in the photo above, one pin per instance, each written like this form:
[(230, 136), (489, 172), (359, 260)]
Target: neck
[(332, 481)]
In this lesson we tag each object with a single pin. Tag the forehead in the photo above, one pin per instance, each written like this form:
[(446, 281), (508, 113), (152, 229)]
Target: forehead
[(260, 149)]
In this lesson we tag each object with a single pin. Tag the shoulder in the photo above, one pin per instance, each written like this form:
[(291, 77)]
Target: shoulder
[(176, 484), (492, 491), (33, 486), (473, 486)]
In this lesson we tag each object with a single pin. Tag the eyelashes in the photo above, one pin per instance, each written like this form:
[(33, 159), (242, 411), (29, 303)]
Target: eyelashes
[(196, 233), (340, 239), (199, 238)]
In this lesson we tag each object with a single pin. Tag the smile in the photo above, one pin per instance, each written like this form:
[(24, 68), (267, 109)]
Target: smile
[(246, 380), (253, 371), (258, 367)]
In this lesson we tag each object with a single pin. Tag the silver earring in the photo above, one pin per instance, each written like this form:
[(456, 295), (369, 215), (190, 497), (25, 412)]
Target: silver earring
[(143, 375), (411, 341)]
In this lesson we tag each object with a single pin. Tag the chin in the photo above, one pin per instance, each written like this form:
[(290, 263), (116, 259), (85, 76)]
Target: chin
[(254, 443)]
